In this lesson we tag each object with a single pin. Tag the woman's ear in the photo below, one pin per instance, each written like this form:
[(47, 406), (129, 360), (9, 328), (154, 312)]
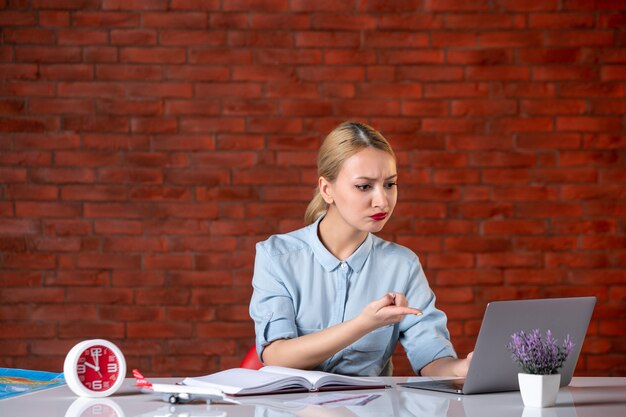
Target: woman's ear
[(325, 190)]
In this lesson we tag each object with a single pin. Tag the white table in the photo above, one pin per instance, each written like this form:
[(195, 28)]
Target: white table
[(585, 397)]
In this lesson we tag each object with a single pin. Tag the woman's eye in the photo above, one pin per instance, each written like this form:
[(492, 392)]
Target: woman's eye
[(363, 187), (391, 184)]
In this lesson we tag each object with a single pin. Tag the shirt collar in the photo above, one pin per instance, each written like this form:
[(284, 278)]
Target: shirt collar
[(328, 260)]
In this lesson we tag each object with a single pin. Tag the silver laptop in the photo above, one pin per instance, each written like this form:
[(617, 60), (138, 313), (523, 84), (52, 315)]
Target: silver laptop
[(491, 368)]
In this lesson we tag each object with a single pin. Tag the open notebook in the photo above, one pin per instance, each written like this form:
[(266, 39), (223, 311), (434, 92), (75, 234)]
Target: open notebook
[(278, 379)]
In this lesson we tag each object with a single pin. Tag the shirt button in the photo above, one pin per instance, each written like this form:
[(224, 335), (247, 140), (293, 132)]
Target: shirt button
[(343, 265)]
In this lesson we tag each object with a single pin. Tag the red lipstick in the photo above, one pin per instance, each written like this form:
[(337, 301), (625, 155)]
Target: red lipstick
[(378, 216)]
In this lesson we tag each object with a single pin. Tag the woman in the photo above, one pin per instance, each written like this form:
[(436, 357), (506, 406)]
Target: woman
[(313, 288)]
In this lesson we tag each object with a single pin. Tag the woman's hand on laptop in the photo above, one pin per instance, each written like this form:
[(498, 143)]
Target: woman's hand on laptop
[(448, 367)]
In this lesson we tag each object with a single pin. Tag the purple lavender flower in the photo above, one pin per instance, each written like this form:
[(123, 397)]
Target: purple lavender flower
[(536, 355)]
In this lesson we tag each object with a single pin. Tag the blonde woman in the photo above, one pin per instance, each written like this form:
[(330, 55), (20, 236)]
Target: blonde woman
[(333, 296)]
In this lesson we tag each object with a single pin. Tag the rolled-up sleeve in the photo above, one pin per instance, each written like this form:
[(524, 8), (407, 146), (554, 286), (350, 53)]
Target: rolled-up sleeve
[(426, 337), (271, 306)]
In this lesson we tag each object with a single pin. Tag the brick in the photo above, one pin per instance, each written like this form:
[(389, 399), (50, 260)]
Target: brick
[(225, 330), (31, 124), (220, 56), (79, 279), (445, 90), (61, 227), (589, 158), (528, 193), (407, 57), (286, 56), (266, 21), (509, 260), (412, 21), (321, 39), (134, 4), (162, 296), (523, 124), (16, 18), (90, 330), (118, 227), (197, 73), (560, 21), (454, 39), (588, 124), (32, 331), (133, 37), (579, 38), (137, 107), (178, 20), (584, 227), (131, 314), (253, 39), (470, 21), (111, 72), (571, 175), (510, 39), (82, 37), (224, 159), (18, 71), (482, 107), (155, 55), (41, 209), (593, 89), (233, 20), (29, 36), (260, 73), (48, 54), (393, 39), (503, 72), (195, 4), (54, 18), (108, 261)]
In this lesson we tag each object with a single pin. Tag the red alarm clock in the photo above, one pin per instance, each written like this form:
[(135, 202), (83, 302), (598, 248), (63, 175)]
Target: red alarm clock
[(94, 368)]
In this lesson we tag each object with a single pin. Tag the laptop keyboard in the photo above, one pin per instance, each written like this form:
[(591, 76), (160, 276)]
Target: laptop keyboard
[(454, 385)]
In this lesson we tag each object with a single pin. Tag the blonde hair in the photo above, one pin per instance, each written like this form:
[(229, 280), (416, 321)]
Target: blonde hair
[(344, 141)]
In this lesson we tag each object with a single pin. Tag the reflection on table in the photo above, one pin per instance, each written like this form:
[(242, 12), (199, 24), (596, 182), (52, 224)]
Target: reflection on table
[(585, 397)]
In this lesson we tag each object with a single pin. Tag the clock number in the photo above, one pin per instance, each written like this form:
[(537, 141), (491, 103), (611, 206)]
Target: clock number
[(81, 368), (96, 351), (111, 368), (97, 384)]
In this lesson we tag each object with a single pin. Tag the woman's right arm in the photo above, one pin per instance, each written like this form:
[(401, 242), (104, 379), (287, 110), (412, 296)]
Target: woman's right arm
[(308, 351)]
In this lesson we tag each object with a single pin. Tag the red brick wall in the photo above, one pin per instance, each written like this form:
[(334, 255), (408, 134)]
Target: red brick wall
[(146, 145)]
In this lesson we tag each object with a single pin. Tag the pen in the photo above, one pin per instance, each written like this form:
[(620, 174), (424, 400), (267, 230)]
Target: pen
[(369, 399), (392, 295), (342, 399)]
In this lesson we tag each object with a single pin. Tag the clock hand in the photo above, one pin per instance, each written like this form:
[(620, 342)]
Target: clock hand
[(95, 368), (96, 355)]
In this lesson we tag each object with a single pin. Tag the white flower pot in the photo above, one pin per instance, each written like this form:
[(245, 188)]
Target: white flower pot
[(539, 390)]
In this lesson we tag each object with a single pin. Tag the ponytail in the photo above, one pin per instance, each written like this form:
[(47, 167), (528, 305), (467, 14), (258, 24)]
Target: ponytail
[(316, 208)]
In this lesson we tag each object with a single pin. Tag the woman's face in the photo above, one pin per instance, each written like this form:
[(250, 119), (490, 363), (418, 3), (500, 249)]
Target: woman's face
[(365, 191)]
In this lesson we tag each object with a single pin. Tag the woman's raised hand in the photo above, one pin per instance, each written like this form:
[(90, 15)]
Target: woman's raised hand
[(389, 309)]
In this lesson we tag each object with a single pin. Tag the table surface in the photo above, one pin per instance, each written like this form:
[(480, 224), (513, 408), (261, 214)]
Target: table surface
[(584, 397)]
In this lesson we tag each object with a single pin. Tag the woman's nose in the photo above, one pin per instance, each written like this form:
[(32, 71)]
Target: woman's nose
[(380, 198)]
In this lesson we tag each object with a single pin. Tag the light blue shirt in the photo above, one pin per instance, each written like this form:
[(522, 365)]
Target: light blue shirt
[(301, 288)]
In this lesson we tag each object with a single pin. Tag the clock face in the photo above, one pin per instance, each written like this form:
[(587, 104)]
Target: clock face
[(94, 368), (98, 368)]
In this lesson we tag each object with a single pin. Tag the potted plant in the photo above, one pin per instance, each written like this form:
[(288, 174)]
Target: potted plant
[(540, 359)]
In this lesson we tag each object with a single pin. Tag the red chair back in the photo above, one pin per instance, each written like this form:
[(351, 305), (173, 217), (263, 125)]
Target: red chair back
[(251, 360)]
